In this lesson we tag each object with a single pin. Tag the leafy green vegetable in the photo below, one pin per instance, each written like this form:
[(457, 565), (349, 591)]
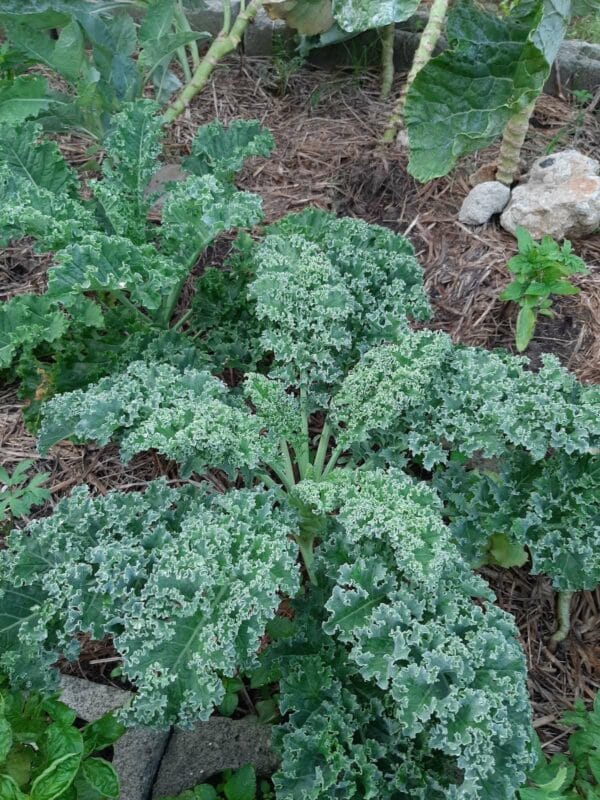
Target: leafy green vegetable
[(43, 756), (462, 100), (323, 483), (541, 270)]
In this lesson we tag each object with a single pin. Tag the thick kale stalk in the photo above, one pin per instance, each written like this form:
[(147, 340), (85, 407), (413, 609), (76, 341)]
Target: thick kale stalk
[(427, 42)]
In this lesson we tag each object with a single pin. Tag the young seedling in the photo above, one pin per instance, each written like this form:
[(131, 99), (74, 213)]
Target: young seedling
[(541, 270), (18, 494)]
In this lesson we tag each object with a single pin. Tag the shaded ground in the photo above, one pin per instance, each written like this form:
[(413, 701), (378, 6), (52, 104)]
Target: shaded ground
[(326, 129)]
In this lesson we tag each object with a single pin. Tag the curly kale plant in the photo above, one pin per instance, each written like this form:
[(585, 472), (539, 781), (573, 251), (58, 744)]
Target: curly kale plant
[(398, 677), (116, 277)]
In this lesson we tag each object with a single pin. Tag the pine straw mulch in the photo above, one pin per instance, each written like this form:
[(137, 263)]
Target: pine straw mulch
[(326, 130)]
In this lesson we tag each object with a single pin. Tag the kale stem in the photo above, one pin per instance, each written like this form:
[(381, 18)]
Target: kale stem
[(322, 450), (333, 460), (122, 298), (563, 614), (182, 319), (287, 463), (304, 454), (305, 544)]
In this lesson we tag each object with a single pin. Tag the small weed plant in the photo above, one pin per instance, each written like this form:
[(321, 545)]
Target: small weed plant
[(574, 775), (541, 269), (345, 482), (19, 493), (239, 784)]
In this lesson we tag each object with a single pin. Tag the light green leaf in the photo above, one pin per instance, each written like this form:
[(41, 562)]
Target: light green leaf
[(525, 327), (221, 150), (101, 776), (159, 52), (39, 164), (101, 733), (364, 15), (56, 779), (69, 56), (9, 789)]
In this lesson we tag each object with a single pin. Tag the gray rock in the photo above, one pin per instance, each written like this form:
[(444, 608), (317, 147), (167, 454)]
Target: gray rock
[(483, 201), (561, 197), (138, 753), (196, 755), (577, 66), (159, 184), (258, 38)]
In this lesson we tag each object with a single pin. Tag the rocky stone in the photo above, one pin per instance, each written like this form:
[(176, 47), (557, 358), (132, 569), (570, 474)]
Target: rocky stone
[(561, 197), (577, 66), (258, 38), (194, 756), (138, 753), (159, 184), (483, 201)]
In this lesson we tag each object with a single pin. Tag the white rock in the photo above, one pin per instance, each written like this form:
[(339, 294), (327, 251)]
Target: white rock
[(483, 201), (561, 197)]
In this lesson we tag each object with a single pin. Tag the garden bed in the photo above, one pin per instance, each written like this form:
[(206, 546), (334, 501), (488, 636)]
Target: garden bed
[(326, 130)]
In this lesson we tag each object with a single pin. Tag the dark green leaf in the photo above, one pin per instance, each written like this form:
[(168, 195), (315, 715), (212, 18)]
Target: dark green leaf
[(241, 785), (102, 733)]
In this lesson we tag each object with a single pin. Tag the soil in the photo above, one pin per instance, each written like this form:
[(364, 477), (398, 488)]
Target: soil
[(327, 128)]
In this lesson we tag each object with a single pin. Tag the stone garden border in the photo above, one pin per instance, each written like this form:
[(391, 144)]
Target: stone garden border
[(155, 764)]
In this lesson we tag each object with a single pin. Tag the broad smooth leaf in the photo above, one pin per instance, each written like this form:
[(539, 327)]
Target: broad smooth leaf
[(363, 15), (23, 98), (525, 327), (462, 100), (56, 779), (101, 776)]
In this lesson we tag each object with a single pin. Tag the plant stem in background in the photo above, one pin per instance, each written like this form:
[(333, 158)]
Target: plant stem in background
[(387, 58), (512, 142), (429, 39), (183, 25), (226, 42), (563, 613)]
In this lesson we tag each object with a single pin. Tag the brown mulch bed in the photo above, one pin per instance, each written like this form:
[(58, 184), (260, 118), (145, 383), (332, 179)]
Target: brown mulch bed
[(326, 128)]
